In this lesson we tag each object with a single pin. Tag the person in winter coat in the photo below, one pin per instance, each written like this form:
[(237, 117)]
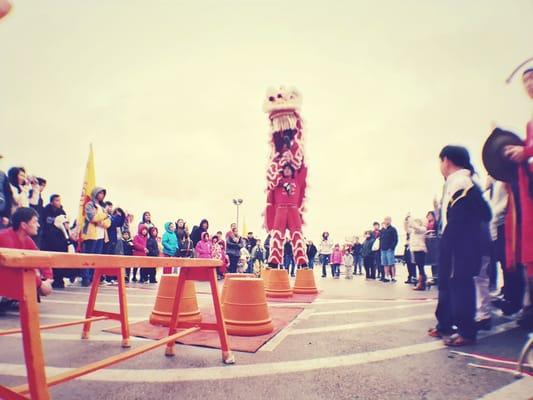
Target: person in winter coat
[(388, 242), (152, 244), (219, 253), (336, 261), (127, 246), (197, 230), (417, 245), (369, 260), (357, 258), (181, 229), (348, 262), (311, 254), (186, 248), (94, 230), (204, 248), (288, 256), (24, 189), (258, 255), (170, 244), (234, 244), (324, 252), (25, 225), (140, 249), (147, 220), (118, 219), (54, 238), (464, 212)]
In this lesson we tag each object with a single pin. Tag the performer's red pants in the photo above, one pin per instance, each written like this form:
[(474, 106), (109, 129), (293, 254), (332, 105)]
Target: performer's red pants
[(287, 217)]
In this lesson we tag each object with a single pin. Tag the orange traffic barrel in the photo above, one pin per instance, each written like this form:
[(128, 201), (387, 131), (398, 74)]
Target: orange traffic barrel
[(305, 282), (278, 283), (188, 311), (264, 275), (229, 276), (245, 308)]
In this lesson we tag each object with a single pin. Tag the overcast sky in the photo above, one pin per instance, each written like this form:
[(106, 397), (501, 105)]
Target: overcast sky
[(170, 95)]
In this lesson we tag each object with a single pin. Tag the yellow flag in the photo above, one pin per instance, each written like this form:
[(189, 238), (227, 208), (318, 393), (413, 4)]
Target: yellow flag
[(89, 182)]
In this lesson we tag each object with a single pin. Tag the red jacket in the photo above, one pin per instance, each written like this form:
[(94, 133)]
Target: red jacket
[(139, 242), (519, 234), (526, 201), (10, 240)]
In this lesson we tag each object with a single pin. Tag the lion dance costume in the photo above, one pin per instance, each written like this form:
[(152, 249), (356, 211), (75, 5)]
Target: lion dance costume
[(285, 195)]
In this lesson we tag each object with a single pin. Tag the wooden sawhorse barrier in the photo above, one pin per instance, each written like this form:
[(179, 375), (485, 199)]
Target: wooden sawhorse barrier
[(17, 281)]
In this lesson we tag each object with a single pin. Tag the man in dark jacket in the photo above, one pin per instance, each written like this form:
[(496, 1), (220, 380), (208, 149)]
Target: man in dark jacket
[(357, 257), (311, 254), (55, 235), (234, 244), (464, 211), (388, 242)]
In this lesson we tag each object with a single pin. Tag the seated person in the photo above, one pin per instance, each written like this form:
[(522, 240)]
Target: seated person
[(25, 223)]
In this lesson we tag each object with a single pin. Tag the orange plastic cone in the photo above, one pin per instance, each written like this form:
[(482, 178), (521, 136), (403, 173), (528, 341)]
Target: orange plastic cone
[(305, 282), (278, 284), (189, 311), (245, 308), (264, 275), (229, 276)]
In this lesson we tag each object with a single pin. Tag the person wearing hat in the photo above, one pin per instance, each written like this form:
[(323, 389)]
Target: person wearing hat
[(94, 231), (519, 242), (463, 213)]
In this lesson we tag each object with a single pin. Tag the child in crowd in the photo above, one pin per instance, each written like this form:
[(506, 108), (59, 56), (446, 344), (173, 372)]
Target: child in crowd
[(348, 262), (170, 244), (258, 257), (242, 266), (219, 253), (127, 246), (204, 248), (152, 244), (139, 248), (336, 261)]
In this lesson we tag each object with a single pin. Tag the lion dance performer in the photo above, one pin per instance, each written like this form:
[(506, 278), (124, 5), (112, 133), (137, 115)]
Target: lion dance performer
[(519, 233), (286, 175)]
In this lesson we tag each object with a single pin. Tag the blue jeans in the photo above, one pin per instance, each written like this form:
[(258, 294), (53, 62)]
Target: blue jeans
[(358, 264), (311, 263), (324, 260), (90, 247), (288, 261)]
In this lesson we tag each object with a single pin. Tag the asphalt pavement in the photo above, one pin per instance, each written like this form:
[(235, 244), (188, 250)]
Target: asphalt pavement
[(359, 339)]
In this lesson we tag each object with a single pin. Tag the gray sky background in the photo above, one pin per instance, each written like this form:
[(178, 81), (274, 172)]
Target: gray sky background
[(170, 95)]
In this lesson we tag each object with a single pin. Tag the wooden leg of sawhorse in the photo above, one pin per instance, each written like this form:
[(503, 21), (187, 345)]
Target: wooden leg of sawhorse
[(125, 328), (123, 305), (174, 318), (91, 303), (31, 336), (227, 355)]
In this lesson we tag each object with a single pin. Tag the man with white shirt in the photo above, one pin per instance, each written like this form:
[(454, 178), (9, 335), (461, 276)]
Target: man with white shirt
[(463, 214)]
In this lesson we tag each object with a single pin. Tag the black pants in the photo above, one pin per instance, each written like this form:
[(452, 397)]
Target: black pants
[(457, 306), (148, 274), (128, 270), (410, 264), (420, 262), (233, 261), (369, 263)]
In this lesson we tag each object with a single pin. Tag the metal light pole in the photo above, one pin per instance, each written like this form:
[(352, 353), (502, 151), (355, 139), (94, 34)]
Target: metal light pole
[(237, 202)]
